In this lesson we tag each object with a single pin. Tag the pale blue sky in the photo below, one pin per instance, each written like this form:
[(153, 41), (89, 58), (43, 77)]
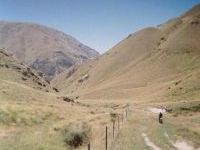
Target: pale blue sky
[(99, 24)]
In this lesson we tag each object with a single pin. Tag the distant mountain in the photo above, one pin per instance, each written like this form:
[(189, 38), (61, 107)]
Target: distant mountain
[(155, 61), (45, 49)]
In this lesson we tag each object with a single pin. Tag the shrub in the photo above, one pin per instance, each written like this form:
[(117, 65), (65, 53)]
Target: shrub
[(67, 99), (113, 116), (55, 89), (76, 135), (163, 39)]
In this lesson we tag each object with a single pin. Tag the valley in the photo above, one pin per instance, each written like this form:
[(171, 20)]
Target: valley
[(121, 91)]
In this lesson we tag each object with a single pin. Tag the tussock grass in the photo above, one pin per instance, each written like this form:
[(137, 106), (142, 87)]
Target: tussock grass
[(23, 117)]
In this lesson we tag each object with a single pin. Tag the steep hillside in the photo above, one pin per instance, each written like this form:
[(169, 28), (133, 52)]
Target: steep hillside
[(13, 73), (32, 116), (145, 65), (42, 48)]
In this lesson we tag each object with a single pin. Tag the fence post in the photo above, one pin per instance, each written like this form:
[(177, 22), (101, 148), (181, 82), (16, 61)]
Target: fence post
[(89, 146), (122, 118), (106, 138), (113, 129), (126, 114), (118, 123)]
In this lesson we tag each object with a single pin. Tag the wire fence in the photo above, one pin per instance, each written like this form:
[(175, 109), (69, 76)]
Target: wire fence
[(109, 132)]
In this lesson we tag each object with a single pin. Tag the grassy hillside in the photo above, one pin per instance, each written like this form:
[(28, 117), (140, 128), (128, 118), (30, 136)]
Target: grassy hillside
[(32, 115), (152, 70), (142, 66), (13, 72)]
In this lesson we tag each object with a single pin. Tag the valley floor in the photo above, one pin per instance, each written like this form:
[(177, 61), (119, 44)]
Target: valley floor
[(144, 132), (34, 120)]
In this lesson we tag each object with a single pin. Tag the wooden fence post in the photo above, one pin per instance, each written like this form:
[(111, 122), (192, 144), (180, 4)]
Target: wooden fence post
[(118, 123), (126, 114), (106, 138), (122, 118), (113, 129)]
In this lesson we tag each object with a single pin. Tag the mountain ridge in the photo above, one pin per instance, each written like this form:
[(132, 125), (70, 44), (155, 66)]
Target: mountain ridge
[(43, 48)]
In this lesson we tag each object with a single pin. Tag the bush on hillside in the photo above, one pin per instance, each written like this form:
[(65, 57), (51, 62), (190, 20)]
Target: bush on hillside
[(113, 116), (77, 135)]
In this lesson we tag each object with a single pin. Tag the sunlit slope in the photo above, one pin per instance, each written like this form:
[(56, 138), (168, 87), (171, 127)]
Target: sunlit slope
[(144, 65), (12, 74), (32, 116)]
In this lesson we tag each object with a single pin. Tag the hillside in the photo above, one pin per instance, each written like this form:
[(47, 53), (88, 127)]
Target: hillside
[(32, 115), (147, 65), (45, 49), (112, 102), (14, 73)]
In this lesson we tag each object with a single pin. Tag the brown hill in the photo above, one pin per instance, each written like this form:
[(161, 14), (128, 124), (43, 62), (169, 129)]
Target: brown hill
[(153, 62), (42, 48), (13, 73)]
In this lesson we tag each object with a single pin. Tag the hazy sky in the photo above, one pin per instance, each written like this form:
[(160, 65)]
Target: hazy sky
[(99, 24)]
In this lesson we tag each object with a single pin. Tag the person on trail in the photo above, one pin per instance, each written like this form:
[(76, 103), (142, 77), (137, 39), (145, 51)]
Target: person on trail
[(160, 117)]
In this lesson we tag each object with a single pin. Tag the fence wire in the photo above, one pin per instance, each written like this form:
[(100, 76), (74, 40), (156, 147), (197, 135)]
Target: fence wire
[(113, 129)]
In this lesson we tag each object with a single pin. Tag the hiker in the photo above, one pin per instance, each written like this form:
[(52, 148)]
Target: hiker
[(160, 117)]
